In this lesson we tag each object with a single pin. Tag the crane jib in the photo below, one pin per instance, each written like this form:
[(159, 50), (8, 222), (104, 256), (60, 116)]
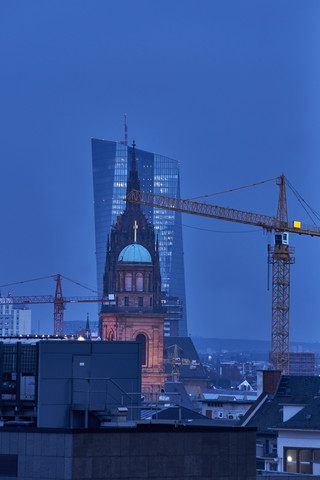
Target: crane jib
[(279, 256), (222, 213)]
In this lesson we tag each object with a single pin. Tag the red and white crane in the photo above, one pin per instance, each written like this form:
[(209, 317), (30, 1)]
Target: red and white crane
[(58, 300)]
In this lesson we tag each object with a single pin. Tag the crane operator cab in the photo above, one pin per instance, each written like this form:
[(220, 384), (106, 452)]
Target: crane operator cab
[(281, 238)]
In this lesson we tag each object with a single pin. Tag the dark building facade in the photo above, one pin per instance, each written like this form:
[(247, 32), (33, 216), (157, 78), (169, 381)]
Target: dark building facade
[(111, 163), (146, 451), (68, 384)]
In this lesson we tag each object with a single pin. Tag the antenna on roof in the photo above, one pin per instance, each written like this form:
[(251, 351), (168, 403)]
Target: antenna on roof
[(125, 130)]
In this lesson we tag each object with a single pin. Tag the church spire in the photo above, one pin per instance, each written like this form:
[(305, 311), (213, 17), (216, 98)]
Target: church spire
[(133, 180), (133, 163)]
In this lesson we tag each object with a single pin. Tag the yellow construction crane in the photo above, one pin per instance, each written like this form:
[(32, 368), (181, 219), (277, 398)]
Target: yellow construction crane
[(280, 255), (176, 362)]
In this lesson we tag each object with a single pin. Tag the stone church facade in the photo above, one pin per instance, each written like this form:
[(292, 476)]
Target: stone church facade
[(132, 275)]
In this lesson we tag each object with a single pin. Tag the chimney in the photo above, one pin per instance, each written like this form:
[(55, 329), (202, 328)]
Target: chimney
[(122, 414), (267, 381)]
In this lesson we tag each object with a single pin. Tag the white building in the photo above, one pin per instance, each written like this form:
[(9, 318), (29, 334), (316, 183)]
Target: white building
[(14, 320), (299, 438), (227, 404), (287, 417)]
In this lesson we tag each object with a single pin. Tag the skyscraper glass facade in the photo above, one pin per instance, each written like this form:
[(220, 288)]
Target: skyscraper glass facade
[(111, 162)]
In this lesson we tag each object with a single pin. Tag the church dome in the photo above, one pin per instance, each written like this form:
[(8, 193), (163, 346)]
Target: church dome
[(134, 253)]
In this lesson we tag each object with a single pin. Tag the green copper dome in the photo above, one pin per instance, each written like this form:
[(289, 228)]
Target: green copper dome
[(135, 253)]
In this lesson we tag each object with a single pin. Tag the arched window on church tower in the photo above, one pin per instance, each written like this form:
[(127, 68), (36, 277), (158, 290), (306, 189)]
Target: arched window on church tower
[(111, 336), (142, 339), (139, 282), (128, 282)]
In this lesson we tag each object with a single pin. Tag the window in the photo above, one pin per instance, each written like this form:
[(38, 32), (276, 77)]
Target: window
[(140, 301), (139, 282), (305, 456), (126, 301), (260, 465), (300, 460), (150, 301), (111, 336), (128, 282), (142, 339)]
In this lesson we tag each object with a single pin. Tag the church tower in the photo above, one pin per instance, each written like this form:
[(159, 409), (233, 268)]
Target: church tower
[(132, 275)]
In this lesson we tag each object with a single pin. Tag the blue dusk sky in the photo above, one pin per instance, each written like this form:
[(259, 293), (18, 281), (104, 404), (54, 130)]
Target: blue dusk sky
[(230, 88)]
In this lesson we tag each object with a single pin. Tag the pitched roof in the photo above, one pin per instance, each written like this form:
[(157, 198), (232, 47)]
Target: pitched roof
[(172, 413), (186, 350), (267, 412), (308, 418), (229, 394), (178, 395)]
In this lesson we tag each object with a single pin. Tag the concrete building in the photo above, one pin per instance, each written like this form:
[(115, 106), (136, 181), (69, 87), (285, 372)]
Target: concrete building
[(149, 451), (72, 422), (68, 384), (227, 404), (111, 162), (14, 320)]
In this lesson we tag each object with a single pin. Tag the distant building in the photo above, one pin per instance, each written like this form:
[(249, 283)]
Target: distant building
[(85, 332), (302, 363), (111, 162), (14, 320), (73, 327), (174, 312), (227, 404)]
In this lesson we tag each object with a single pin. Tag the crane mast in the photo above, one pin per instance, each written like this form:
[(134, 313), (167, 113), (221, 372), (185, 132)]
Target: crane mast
[(280, 255), (58, 309)]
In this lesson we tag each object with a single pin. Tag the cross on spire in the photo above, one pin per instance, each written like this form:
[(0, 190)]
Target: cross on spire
[(135, 228)]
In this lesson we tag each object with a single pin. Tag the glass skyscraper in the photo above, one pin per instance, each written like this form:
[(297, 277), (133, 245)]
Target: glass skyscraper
[(111, 162)]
